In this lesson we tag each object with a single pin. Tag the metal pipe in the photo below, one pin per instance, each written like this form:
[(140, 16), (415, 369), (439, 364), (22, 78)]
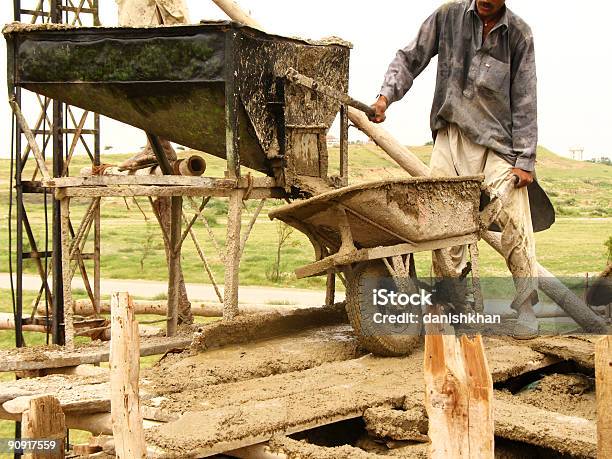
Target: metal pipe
[(194, 166)]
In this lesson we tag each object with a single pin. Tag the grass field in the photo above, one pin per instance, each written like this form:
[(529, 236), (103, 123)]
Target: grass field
[(132, 246)]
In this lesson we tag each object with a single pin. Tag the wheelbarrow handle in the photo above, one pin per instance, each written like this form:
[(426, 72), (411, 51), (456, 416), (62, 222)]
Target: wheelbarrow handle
[(498, 200), (294, 76)]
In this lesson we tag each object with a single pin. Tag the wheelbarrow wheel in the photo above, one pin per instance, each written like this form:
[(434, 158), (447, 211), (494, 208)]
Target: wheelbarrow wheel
[(396, 340)]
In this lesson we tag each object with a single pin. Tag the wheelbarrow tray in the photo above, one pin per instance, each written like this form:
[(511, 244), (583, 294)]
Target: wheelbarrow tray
[(409, 211)]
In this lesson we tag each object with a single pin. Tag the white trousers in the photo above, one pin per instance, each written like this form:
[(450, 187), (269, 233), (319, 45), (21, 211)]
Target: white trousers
[(139, 13), (455, 155)]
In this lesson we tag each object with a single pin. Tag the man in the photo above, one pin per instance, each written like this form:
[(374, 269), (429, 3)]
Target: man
[(483, 119)]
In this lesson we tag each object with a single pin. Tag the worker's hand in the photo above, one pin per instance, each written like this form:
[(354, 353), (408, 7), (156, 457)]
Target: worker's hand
[(380, 107), (524, 177)]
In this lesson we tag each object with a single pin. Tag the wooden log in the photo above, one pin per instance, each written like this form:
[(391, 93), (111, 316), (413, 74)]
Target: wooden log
[(124, 371), (559, 293), (7, 322), (232, 257), (399, 153), (159, 308), (236, 13), (44, 420), (175, 272), (603, 387), (66, 274)]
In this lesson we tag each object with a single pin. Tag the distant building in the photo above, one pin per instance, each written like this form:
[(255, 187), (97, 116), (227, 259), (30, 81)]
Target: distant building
[(577, 153)]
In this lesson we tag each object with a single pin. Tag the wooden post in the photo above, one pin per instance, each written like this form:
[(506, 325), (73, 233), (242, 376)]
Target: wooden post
[(603, 387), (128, 430), (174, 264), (480, 398), (330, 292), (44, 420), (67, 273), (399, 153), (27, 132), (458, 396), (446, 398), (232, 256)]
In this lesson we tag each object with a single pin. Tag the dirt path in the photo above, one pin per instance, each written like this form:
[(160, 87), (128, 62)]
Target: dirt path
[(196, 292)]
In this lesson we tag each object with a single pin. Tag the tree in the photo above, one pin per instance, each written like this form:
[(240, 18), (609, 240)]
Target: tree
[(283, 233)]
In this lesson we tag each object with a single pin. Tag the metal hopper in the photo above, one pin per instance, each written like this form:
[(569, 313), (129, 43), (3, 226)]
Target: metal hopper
[(204, 86)]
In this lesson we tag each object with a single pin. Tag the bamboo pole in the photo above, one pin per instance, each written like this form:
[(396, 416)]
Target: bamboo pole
[(128, 430)]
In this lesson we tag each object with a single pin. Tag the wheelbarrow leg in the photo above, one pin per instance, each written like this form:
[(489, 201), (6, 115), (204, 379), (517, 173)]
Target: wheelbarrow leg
[(344, 228), (330, 293), (476, 287)]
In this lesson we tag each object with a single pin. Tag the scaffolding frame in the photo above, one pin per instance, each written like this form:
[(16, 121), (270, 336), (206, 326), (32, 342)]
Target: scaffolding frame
[(58, 129)]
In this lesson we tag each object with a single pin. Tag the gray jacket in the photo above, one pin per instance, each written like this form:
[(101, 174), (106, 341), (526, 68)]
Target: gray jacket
[(489, 91)]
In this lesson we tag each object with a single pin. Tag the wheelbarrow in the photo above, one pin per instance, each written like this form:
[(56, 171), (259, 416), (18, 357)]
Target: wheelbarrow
[(369, 233)]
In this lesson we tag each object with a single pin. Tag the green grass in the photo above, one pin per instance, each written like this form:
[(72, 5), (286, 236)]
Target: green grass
[(132, 247)]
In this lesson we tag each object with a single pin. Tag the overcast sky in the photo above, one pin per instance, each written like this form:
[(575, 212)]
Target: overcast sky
[(573, 51)]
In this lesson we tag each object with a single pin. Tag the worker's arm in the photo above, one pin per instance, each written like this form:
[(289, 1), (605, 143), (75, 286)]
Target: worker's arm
[(524, 103), (409, 62)]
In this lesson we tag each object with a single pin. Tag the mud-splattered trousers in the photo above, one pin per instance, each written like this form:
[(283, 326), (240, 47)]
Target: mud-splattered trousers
[(456, 155), (484, 115), (138, 13)]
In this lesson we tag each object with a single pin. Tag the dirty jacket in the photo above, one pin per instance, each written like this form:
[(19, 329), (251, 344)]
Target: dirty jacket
[(488, 90)]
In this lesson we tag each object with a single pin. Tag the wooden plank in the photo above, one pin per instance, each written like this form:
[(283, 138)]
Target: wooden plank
[(125, 180), (579, 349), (86, 398), (238, 414), (142, 190), (321, 267), (232, 256), (128, 431), (603, 387), (44, 420), (161, 180), (174, 265), (574, 436), (26, 359)]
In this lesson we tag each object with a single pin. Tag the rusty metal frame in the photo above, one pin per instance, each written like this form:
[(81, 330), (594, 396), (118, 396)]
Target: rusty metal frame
[(57, 129)]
